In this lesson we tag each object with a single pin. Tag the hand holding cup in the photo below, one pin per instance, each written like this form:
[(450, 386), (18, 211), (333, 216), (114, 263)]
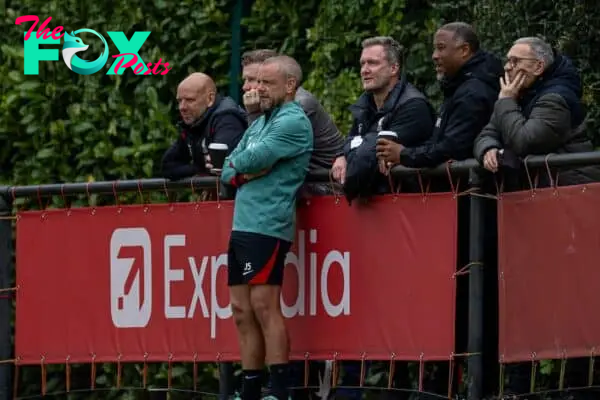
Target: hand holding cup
[(388, 148), (217, 153)]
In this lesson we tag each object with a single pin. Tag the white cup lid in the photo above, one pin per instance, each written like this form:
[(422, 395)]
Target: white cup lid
[(218, 146)]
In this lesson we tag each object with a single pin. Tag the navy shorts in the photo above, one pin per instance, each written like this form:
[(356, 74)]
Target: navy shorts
[(255, 259)]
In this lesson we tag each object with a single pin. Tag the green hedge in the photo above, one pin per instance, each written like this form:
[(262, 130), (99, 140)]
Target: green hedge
[(60, 126)]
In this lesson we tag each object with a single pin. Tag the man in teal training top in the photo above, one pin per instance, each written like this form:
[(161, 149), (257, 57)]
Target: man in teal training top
[(268, 167)]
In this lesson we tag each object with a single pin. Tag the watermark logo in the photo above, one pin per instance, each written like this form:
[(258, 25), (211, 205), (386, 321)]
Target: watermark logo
[(128, 56), (74, 45)]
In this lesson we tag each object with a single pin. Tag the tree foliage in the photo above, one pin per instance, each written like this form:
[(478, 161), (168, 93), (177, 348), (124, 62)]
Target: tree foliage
[(59, 126)]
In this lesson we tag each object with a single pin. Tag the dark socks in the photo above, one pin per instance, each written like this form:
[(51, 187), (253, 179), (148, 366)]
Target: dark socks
[(279, 381), (252, 384)]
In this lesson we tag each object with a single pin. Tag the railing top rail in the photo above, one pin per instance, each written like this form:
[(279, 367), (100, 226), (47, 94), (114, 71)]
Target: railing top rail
[(200, 182)]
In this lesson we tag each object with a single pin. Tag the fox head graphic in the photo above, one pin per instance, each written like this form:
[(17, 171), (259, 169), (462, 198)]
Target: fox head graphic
[(73, 45)]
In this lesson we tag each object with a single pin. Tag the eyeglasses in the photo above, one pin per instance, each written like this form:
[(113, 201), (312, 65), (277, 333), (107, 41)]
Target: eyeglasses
[(513, 61)]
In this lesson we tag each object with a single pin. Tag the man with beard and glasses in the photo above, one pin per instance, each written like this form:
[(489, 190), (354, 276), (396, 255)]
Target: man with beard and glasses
[(539, 111), (268, 167)]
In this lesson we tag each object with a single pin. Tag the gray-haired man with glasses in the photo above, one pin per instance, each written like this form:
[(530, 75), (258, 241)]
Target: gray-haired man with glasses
[(538, 111)]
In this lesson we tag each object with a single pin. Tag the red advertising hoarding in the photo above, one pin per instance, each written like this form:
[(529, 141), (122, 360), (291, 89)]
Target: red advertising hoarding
[(149, 282), (549, 277)]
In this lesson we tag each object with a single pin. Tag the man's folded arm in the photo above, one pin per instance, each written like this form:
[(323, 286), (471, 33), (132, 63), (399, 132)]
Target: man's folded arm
[(346, 145), (229, 129), (286, 138), (176, 162), (542, 132), (413, 122), (464, 124), (228, 174), (488, 139)]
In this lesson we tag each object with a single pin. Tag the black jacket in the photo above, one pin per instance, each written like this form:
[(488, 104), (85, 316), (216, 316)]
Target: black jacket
[(468, 103), (224, 122), (406, 111)]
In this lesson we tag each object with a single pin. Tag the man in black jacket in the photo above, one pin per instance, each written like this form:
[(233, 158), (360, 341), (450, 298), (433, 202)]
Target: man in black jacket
[(469, 78), (206, 117), (389, 103)]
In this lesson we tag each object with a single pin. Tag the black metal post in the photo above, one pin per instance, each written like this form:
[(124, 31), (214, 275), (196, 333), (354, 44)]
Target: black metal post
[(476, 289), (6, 254), (226, 387)]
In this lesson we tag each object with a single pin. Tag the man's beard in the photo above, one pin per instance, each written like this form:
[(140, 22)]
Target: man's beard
[(270, 104)]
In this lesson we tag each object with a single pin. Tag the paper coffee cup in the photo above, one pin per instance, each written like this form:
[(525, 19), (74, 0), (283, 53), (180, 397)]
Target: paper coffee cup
[(218, 153), (391, 135)]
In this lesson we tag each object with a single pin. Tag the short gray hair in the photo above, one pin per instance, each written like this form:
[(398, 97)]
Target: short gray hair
[(540, 48), (289, 66), (393, 49)]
